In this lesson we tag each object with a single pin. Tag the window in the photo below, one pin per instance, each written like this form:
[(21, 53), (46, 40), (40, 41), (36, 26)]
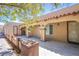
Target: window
[(50, 29)]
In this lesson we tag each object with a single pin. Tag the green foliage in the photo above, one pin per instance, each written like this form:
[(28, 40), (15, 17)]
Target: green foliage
[(23, 11)]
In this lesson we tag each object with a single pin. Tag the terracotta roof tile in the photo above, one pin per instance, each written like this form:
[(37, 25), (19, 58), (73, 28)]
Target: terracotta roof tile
[(64, 11)]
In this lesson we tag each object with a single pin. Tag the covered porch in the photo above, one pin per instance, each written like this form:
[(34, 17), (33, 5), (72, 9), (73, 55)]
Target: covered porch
[(62, 29)]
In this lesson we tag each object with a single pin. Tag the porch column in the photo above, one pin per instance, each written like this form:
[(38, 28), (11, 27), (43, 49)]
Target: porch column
[(42, 33), (27, 31), (19, 31)]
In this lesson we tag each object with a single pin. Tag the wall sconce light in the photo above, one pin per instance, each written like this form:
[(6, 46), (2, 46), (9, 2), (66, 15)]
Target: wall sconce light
[(58, 24)]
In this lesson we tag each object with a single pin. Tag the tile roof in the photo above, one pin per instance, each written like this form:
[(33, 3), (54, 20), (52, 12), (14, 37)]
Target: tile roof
[(61, 12)]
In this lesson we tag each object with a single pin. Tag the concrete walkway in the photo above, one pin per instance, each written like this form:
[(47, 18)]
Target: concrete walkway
[(5, 48), (54, 48)]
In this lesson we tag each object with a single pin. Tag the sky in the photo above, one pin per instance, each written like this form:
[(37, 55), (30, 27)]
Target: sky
[(49, 8)]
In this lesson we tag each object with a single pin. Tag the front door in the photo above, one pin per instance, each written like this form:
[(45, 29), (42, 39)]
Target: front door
[(73, 29)]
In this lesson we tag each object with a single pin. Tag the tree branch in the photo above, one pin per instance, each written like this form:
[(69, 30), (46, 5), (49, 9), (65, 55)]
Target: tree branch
[(11, 4)]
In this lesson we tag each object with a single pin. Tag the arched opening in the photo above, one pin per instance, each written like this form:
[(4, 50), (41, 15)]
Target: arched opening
[(23, 31)]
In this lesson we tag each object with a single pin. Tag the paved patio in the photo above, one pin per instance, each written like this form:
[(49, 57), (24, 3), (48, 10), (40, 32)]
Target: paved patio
[(48, 48), (52, 48)]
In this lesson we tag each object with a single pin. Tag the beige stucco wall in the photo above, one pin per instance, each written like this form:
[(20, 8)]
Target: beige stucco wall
[(36, 32), (60, 32)]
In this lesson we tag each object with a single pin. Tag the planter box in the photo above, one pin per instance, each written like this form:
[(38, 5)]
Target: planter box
[(29, 48)]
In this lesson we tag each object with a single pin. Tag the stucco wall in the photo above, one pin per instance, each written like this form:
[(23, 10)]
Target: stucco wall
[(36, 32), (60, 31)]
